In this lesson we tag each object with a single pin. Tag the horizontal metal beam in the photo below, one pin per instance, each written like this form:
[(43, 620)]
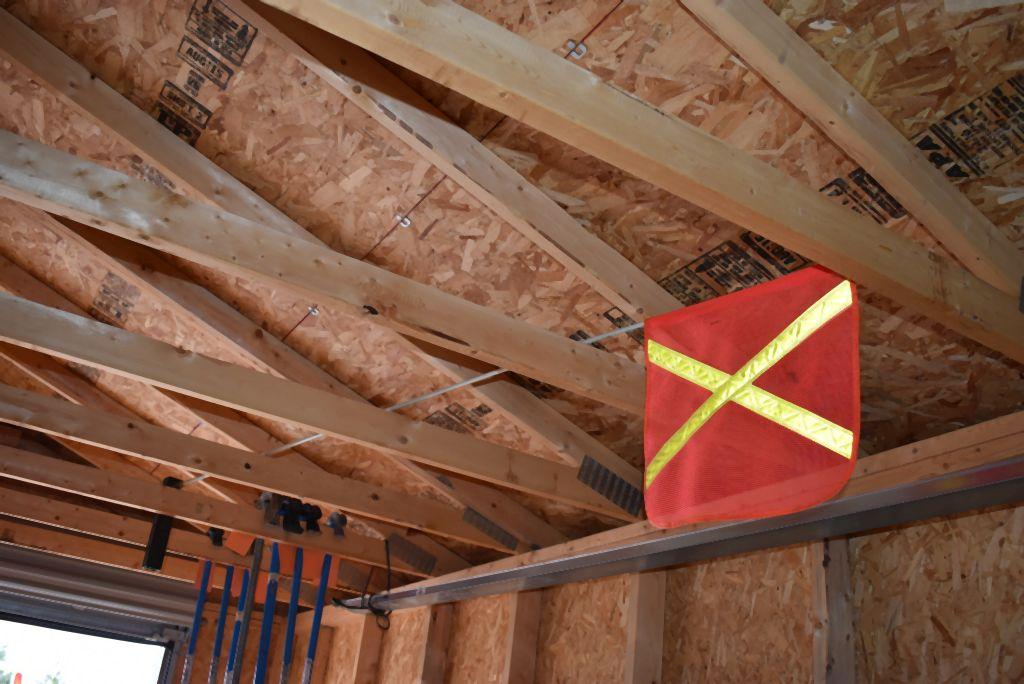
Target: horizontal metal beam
[(81, 588), (992, 484)]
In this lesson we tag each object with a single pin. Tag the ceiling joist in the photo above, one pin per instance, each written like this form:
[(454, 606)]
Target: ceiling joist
[(142, 440), (95, 344)]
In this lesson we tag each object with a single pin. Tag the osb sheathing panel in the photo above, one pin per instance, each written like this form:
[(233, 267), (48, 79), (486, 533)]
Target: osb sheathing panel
[(375, 364), (341, 651), (305, 148), (459, 246), (479, 640), (740, 619), (918, 379), (942, 601), (583, 632), (916, 62), (402, 647)]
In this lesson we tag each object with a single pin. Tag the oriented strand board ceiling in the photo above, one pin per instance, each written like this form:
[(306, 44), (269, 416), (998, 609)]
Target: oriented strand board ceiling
[(952, 83)]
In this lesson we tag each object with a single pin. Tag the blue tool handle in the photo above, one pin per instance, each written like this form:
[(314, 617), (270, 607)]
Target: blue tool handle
[(293, 611), (267, 626), (197, 622), (222, 617), (318, 611), (237, 628)]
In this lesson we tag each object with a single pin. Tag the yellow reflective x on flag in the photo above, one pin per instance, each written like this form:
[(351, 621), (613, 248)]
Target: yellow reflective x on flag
[(738, 387)]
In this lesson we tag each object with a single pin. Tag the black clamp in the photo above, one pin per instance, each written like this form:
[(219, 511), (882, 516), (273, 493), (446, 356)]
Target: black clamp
[(160, 533)]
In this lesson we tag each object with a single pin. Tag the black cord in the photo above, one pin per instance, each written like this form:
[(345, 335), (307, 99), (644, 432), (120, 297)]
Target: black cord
[(382, 616)]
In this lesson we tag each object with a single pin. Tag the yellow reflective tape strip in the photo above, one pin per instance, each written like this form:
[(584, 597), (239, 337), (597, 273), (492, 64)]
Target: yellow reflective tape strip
[(762, 402), (806, 324)]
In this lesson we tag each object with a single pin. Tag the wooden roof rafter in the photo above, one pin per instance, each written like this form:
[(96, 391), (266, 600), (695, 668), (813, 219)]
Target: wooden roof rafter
[(141, 440), (189, 506), (427, 130), (78, 391), (99, 345), (792, 66), (466, 52), (193, 172)]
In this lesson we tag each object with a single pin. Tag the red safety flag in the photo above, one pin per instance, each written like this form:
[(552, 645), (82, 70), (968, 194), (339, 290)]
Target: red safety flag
[(753, 401)]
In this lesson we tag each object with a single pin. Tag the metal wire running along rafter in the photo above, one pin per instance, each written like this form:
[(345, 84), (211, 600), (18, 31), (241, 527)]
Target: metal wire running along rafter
[(430, 395)]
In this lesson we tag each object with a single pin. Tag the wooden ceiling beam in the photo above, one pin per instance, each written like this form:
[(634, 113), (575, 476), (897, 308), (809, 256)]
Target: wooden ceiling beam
[(24, 466), (230, 425), (157, 278), (765, 42), (62, 381), (497, 68), (194, 173), (142, 440), (47, 179), (409, 116), (96, 344)]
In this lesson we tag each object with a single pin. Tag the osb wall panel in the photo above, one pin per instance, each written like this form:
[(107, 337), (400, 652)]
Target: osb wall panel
[(401, 650), (740, 619), (479, 640), (942, 601), (583, 632), (341, 651)]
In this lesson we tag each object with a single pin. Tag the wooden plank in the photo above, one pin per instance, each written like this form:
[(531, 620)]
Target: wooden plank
[(47, 179), (120, 528), (464, 51), (765, 42), (520, 658), (834, 655), (970, 447), (61, 381), (158, 278), (104, 552), (142, 440), (96, 344), (149, 496), (435, 646), (193, 172), (364, 670), (645, 627), (410, 117), (237, 431)]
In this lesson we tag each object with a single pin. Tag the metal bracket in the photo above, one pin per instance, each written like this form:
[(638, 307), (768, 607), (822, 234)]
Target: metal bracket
[(576, 50)]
